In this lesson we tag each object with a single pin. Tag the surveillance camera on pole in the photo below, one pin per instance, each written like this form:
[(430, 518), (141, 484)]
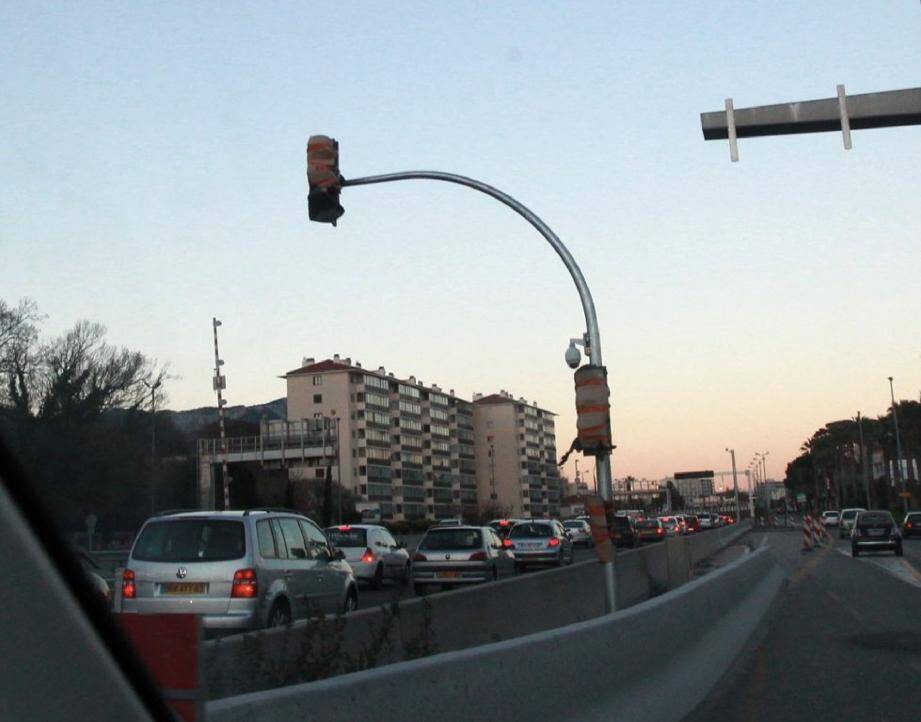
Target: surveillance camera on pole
[(573, 356)]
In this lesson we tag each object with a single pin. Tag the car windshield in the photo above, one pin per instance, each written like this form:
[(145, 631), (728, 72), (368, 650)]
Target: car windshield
[(850, 514), (621, 522), (648, 524), (190, 540), (531, 530), (914, 517), (691, 519), (350, 537), (574, 524), (438, 539)]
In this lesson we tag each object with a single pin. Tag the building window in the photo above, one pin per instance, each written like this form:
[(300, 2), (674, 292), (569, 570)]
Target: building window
[(318, 398), (320, 473), (317, 380)]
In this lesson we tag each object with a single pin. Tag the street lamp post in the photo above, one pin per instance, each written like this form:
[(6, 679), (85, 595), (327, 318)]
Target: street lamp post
[(591, 339), (765, 501), (898, 449), (735, 483), (153, 441)]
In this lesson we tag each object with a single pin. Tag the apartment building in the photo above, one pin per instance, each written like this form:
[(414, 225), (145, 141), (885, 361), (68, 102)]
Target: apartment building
[(515, 446), (405, 446)]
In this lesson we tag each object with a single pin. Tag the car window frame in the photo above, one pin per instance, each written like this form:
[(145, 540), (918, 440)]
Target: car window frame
[(294, 520), (321, 544), (268, 525)]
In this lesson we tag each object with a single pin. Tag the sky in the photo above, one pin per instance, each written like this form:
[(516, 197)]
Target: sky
[(152, 176)]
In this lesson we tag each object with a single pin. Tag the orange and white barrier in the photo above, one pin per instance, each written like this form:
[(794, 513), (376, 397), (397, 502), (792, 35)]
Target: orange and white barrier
[(807, 533)]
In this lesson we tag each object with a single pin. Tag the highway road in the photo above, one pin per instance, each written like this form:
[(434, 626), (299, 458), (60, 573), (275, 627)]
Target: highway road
[(844, 642)]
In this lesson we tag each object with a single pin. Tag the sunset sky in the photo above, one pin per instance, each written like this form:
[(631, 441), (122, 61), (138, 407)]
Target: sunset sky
[(152, 175)]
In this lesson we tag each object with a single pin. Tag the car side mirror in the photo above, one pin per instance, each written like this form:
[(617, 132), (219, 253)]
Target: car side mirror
[(400, 545), (338, 554), (298, 553)]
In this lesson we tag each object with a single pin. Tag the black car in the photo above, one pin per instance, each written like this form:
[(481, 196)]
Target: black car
[(623, 533), (912, 524), (875, 531)]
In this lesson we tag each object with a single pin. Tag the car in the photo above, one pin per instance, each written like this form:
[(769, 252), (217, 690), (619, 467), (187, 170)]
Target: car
[(875, 531), (238, 570), (450, 522), (650, 530), (372, 552), (460, 556), (540, 542), (846, 522), (706, 520), (691, 523), (623, 533), (672, 525), (579, 531), (911, 526), (503, 526), (93, 574), (831, 518), (727, 519)]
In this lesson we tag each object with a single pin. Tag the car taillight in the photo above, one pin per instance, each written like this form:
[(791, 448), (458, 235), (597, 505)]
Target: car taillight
[(244, 584), (368, 556), (908, 525), (478, 557), (129, 591), (660, 530), (554, 542), (417, 557), (508, 544), (344, 527)]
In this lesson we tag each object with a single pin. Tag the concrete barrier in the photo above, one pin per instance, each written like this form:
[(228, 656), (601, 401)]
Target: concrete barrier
[(443, 622), (656, 660)]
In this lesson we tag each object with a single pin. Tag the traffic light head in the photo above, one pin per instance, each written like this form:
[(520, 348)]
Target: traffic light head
[(323, 179)]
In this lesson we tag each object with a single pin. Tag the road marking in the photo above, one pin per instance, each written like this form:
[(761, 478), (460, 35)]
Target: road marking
[(763, 541), (896, 566)]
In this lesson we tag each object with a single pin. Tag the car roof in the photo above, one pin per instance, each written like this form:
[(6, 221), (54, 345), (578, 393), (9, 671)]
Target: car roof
[(453, 527), (357, 526), (203, 514)]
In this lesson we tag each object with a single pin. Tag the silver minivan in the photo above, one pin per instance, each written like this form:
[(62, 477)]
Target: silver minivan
[(239, 570)]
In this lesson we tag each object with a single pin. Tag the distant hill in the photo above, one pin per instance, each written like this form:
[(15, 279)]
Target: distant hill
[(191, 420)]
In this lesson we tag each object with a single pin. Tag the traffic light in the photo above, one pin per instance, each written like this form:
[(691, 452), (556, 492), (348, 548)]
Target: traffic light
[(323, 179)]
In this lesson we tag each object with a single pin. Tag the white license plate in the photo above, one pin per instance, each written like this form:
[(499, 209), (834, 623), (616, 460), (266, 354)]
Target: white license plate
[(531, 545), (877, 532)]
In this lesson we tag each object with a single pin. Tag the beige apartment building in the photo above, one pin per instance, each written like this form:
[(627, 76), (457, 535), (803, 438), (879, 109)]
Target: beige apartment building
[(516, 456), (405, 446), (419, 451)]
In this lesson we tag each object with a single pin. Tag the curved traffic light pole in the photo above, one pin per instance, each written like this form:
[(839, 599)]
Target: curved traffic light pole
[(592, 337)]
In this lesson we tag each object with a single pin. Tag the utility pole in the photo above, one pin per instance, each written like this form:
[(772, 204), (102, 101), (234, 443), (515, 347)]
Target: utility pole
[(153, 441), (735, 483), (339, 472), (864, 466), (220, 383), (898, 450)]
